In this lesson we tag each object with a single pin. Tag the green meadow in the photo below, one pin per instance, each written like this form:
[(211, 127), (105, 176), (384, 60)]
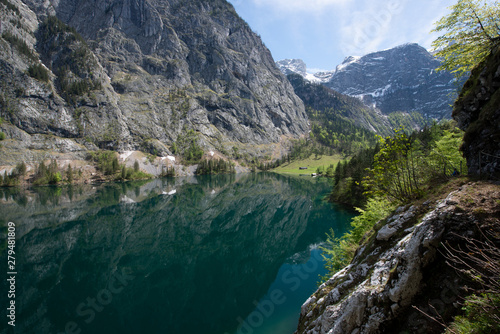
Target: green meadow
[(312, 163)]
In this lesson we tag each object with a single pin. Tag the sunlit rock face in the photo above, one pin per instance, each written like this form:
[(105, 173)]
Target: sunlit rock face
[(402, 272), (147, 71)]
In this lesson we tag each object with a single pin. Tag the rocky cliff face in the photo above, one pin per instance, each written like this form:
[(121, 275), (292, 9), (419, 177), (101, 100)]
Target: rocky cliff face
[(297, 66), (477, 111), (128, 75), (400, 274), (400, 79)]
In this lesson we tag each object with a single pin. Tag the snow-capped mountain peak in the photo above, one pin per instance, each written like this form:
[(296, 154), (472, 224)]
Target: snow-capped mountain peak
[(347, 61), (403, 78), (289, 66), (298, 66)]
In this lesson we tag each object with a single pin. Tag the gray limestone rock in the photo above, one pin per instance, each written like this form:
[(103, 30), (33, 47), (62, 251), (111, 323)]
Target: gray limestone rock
[(150, 70), (385, 278)]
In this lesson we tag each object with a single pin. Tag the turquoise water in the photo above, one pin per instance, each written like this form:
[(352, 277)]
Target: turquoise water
[(217, 254)]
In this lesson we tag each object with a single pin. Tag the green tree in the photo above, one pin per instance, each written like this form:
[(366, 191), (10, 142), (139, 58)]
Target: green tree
[(397, 168), (2, 135), (20, 169), (69, 174), (47, 174), (106, 161), (39, 72), (187, 146), (54, 176), (471, 31), (124, 172), (115, 165), (445, 155)]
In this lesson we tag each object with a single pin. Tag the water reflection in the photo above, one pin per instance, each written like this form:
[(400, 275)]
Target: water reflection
[(185, 255)]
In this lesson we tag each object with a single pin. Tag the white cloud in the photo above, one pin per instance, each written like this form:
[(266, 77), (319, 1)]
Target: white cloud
[(298, 5), (434, 13), (364, 30), (375, 24), (323, 32)]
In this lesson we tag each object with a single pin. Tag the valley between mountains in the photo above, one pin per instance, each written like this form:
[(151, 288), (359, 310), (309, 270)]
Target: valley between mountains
[(186, 80), (97, 93)]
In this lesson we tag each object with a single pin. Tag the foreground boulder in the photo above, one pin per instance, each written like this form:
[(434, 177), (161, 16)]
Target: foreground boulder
[(399, 279)]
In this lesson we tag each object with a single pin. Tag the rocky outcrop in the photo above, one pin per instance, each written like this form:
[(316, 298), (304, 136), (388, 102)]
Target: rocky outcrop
[(477, 111), (124, 73), (298, 66), (399, 273)]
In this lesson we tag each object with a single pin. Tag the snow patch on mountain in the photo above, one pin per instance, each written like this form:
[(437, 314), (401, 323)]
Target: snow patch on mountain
[(298, 66), (403, 78)]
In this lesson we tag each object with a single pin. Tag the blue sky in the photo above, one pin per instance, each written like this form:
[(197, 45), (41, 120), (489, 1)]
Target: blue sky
[(324, 32)]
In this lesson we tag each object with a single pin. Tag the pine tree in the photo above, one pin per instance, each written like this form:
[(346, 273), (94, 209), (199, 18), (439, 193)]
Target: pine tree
[(69, 174), (136, 166), (115, 165)]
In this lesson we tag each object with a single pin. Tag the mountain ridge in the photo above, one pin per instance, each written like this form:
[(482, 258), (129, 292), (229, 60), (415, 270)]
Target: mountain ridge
[(400, 79), (137, 75)]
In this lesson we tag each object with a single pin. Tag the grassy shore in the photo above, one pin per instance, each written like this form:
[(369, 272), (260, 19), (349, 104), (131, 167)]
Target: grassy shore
[(312, 163)]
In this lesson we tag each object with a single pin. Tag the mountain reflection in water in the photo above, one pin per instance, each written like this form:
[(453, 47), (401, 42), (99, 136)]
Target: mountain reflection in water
[(186, 255)]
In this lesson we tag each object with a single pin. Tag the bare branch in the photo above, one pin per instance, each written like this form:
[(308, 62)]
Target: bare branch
[(439, 321), (481, 24)]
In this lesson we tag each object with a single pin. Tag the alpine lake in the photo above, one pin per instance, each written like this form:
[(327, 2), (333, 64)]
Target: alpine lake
[(224, 254)]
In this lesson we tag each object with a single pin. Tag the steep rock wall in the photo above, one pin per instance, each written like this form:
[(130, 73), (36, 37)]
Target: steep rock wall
[(400, 273), (153, 69), (477, 111)]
